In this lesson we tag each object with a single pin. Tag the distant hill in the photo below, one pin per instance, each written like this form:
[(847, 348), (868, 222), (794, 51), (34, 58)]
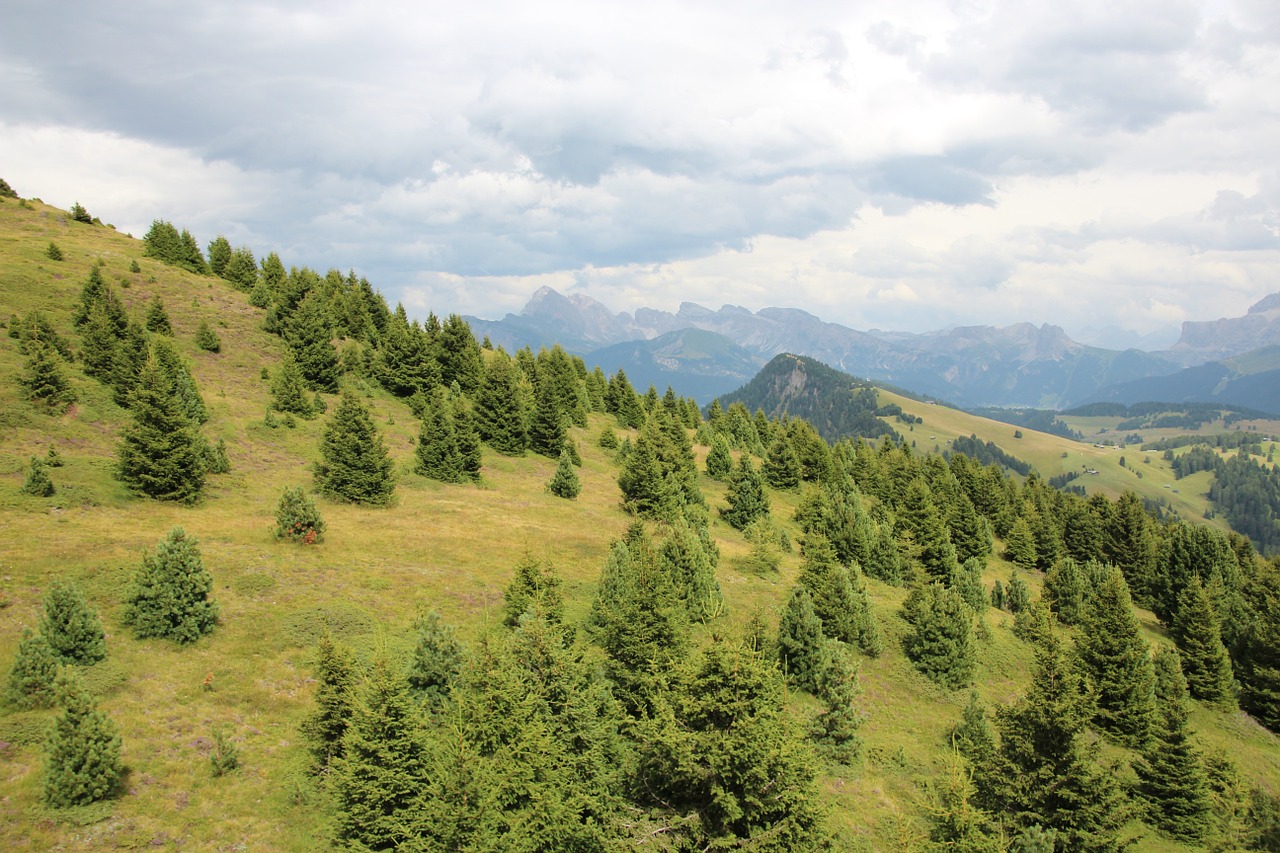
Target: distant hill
[(1251, 380), (836, 404), (698, 364), (1228, 337)]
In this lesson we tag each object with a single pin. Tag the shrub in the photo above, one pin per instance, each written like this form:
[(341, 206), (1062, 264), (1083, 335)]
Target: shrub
[(297, 518)]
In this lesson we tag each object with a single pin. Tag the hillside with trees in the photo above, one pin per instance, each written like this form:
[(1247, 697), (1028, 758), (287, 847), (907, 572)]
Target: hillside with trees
[(352, 579)]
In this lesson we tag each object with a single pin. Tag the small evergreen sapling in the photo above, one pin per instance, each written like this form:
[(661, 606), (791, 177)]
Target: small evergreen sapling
[(224, 757), (207, 339), (565, 482), (297, 518), (170, 594), (157, 318), (35, 670), (37, 482), (534, 586), (71, 627), (53, 253), (436, 661), (83, 751), (336, 677)]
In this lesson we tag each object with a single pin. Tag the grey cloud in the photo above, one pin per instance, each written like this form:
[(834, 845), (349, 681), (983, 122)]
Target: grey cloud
[(926, 179)]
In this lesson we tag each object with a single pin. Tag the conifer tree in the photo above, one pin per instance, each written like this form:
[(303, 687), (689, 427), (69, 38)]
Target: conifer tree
[(1259, 659), (297, 518), (336, 678), (1045, 772), (43, 379), (1020, 545), (37, 482), (970, 532), (972, 737), (467, 436), (175, 367), (460, 359), (800, 640), (71, 627), (219, 255), (1017, 596), (921, 516), (289, 389), (310, 337), (621, 400), (1114, 655), (382, 765), (835, 730), (241, 270), (436, 453), (647, 491), (83, 751), (845, 611), (157, 318), (746, 497), (34, 672), (1171, 772), (500, 416), (436, 660), (1197, 632), (354, 463), (207, 339), (565, 483), (1033, 623), (1065, 591), (169, 597), (718, 755), (689, 559), (160, 453), (534, 586), (956, 820), (940, 642), (967, 581), (781, 467), (548, 426), (719, 462)]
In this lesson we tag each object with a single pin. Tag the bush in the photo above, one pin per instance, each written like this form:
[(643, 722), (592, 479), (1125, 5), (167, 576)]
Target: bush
[(297, 518)]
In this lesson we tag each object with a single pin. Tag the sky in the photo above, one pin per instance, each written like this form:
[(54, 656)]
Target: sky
[(895, 164)]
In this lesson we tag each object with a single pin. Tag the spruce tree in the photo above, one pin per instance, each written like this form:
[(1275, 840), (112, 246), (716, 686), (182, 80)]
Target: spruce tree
[(71, 627), (1259, 658), (382, 765), (436, 659), (1017, 595), (37, 482), (781, 467), (1045, 772), (207, 339), (1198, 634), (921, 516), (297, 518), (289, 389), (967, 581), (565, 483), (44, 380), (436, 453), (468, 437), (354, 463), (719, 462), (336, 676), (1114, 655), (1020, 545), (972, 737), (800, 640), (219, 255), (169, 597), (1065, 591), (746, 498), (175, 367), (1171, 772), (500, 416), (689, 558), (157, 321), (548, 426), (940, 642), (533, 586), (310, 338), (160, 453), (845, 611), (646, 489), (83, 751), (35, 670), (835, 730)]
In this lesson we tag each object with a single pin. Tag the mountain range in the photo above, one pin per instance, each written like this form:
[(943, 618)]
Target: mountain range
[(704, 353)]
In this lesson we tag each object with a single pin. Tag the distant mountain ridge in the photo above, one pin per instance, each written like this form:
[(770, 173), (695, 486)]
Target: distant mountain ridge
[(1018, 365)]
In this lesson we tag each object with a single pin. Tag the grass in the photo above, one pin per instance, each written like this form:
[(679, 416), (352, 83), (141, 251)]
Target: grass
[(451, 548)]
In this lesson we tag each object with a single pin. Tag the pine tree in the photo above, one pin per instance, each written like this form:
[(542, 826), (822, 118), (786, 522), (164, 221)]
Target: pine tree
[(565, 482), (800, 640), (646, 490), (354, 463), (219, 255), (297, 518), (83, 752), (745, 496), (956, 820), (1114, 655), (37, 482), (207, 339), (718, 754), (1171, 773), (460, 359), (689, 558), (71, 627), (1259, 657), (174, 366), (43, 379), (468, 437), (835, 730), (160, 453), (1017, 595), (310, 338), (549, 425), (844, 608), (34, 672), (169, 598), (781, 467), (500, 417), (973, 737), (967, 581), (921, 516), (534, 586), (436, 453), (382, 765), (940, 643), (719, 462), (336, 678), (1045, 773), (157, 320), (1020, 545), (79, 214), (289, 389), (436, 660), (1065, 591), (1198, 634)]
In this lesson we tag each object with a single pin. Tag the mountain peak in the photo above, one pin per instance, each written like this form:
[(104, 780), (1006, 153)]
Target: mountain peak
[(1265, 304)]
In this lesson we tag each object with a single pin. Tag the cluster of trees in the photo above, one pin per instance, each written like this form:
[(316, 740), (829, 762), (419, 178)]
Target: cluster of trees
[(1244, 491)]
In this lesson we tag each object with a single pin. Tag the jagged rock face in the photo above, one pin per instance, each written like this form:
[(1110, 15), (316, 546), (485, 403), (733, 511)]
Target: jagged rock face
[(1212, 340)]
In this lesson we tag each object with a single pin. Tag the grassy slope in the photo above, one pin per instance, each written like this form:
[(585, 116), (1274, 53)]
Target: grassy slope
[(446, 547)]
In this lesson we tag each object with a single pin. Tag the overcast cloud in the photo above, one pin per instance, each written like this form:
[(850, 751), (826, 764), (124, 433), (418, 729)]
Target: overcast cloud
[(894, 165)]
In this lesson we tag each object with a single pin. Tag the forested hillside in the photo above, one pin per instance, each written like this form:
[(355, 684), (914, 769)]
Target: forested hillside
[(286, 569)]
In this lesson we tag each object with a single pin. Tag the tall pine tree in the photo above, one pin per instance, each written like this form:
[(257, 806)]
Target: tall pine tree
[(1114, 654), (354, 463), (161, 455), (1171, 773)]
